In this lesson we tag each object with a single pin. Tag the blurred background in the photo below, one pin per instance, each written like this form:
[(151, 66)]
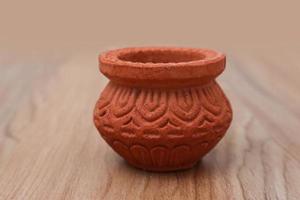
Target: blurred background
[(65, 25)]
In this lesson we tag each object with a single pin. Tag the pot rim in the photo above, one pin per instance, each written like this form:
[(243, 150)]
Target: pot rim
[(139, 64)]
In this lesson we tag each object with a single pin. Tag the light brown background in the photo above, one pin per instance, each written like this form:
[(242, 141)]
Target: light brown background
[(93, 24)]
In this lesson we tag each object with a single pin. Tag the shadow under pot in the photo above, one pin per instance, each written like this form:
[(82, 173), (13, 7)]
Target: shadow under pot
[(162, 109)]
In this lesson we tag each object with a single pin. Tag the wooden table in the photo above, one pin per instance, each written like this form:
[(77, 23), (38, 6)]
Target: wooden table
[(50, 149)]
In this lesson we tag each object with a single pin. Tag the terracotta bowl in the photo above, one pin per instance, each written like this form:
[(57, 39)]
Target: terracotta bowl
[(162, 109)]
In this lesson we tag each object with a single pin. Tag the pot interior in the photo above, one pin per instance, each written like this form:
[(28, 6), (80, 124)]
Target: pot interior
[(157, 56)]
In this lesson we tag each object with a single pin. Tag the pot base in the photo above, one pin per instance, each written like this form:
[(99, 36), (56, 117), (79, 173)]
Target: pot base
[(162, 169)]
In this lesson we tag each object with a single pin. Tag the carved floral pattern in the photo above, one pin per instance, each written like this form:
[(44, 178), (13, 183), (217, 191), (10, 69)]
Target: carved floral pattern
[(159, 127)]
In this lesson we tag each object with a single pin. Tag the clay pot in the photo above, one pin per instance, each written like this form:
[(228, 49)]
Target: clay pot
[(162, 109)]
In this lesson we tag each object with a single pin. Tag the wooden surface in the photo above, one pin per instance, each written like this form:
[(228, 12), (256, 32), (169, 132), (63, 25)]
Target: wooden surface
[(50, 149)]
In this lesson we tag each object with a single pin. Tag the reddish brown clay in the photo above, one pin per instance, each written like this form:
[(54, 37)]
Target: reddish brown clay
[(162, 109)]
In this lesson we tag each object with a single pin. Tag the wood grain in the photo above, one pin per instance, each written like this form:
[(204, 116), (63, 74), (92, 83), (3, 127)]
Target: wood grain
[(50, 149)]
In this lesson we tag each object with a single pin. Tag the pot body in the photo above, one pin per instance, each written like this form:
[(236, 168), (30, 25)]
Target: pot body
[(162, 129)]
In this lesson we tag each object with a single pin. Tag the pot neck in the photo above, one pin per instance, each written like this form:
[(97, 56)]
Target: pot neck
[(164, 84)]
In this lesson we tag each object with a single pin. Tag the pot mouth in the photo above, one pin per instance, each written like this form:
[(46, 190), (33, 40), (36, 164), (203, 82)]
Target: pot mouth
[(162, 64), (160, 56)]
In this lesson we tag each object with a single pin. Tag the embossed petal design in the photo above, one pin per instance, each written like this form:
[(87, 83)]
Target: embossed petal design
[(190, 120)]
